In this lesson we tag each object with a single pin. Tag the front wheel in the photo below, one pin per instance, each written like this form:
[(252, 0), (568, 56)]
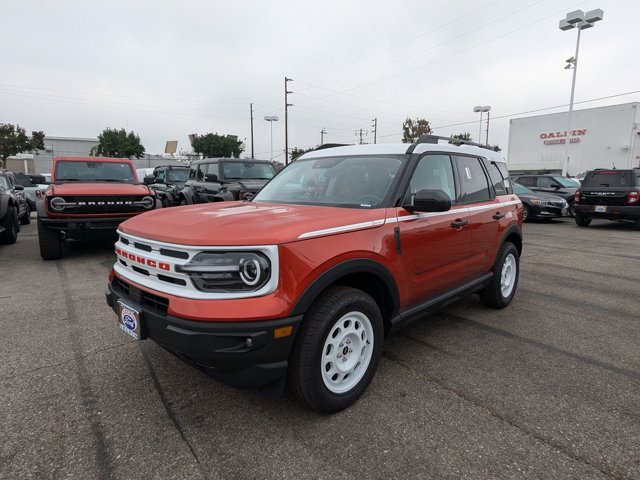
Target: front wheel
[(11, 227), (50, 242), (506, 271), (582, 221), (26, 216), (526, 213), (337, 349)]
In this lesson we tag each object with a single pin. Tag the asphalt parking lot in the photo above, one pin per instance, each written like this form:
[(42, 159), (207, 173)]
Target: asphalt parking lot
[(547, 388)]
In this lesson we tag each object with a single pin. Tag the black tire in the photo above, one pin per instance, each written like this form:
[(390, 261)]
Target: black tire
[(353, 319), (571, 211), (582, 221), (526, 213), (503, 286), (26, 216), (183, 201), (50, 242), (165, 202), (11, 227)]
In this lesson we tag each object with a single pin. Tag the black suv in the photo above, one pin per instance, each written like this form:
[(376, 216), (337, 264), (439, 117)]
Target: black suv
[(167, 181), (13, 206), (556, 184), (221, 179), (609, 195)]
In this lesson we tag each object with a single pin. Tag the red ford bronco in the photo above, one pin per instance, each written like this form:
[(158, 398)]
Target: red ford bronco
[(88, 196), (303, 282)]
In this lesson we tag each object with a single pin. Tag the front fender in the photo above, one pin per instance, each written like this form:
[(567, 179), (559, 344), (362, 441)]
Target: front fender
[(4, 205), (187, 193), (41, 208)]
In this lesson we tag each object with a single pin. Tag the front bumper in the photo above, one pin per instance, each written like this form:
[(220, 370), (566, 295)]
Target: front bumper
[(612, 212), (240, 354), (79, 226), (548, 211)]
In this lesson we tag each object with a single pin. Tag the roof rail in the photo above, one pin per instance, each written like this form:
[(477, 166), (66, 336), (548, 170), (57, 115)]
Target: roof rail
[(454, 141), (331, 145)]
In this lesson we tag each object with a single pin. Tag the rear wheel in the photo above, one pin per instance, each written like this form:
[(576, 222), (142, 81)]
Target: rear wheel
[(337, 349), (50, 242), (11, 226), (571, 211), (582, 221), (503, 286), (26, 216)]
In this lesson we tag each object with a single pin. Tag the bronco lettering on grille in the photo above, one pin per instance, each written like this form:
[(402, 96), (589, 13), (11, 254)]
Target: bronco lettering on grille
[(143, 260)]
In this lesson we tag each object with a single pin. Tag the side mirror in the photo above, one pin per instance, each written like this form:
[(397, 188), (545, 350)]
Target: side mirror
[(211, 177), (430, 201), (149, 180)]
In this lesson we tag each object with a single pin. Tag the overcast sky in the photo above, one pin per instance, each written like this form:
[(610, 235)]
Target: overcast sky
[(168, 68)]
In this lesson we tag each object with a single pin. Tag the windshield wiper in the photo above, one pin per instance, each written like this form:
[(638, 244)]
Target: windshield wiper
[(112, 180)]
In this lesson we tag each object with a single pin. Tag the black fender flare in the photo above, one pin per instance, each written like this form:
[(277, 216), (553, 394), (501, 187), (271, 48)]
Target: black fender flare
[(187, 193), (225, 196), (5, 201), (512, 230), (354, 266)]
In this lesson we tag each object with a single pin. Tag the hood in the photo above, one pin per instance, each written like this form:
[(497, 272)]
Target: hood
[(243, 223), (111, 188)]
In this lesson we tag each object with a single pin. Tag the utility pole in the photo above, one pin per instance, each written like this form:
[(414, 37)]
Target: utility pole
[(286, 120), (375, 130), (488, 112), (322, 134), (360, 133), (251, 111)]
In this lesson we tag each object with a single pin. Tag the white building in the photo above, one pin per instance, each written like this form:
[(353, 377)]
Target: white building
[(603, 137)]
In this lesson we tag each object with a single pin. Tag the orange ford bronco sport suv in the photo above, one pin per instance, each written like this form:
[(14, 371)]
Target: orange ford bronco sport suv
[(88, 196), (303, 282)]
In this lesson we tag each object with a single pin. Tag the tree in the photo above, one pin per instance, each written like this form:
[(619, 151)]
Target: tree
[(296, 152), (14, 140), (413, 129), (212, 145), (118, 144), (463, 136)]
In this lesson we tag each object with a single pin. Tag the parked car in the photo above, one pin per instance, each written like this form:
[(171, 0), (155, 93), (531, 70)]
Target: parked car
[(167, 181), (16, 190), (35, 185), (609, 195), (9, 223), (303, 282), (224, 179), (554, 184), (89, 196), (538, 205)]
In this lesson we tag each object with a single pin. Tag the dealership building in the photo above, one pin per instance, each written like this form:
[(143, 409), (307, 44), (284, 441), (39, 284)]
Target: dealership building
[(603, 137)]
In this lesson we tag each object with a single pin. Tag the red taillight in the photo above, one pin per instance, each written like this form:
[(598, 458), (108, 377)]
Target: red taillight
[(38, 194), (576, 197), (633, 197)]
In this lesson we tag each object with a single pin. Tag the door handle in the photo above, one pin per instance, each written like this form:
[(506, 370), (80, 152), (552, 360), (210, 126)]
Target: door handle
[(499, 215), (459, 223)]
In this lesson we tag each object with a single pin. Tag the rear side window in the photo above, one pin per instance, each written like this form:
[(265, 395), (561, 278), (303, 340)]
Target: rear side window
[(608, 178), (496, 177), (473, 180), (527, 181)]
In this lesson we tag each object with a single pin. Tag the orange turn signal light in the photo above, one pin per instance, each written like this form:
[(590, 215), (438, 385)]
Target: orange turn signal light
[(282, 331)]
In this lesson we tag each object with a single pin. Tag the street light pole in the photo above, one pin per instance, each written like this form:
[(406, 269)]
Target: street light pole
[(271, 119), (482, 109), (580, 20)]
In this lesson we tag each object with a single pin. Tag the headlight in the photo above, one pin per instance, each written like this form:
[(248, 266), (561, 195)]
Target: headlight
[(228, 271), (57, 204)]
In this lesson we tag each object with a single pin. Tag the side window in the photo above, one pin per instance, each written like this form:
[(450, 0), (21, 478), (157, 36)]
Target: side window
[(473, 180), (526, 181), (193, 172), (12, 181), (497, 180), (505, 175), (545, 182), (212, 168), (434, 172), (160, 174)]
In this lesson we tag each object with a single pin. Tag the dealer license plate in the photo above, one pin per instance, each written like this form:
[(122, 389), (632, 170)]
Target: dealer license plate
[(129, 320), (600, 208)]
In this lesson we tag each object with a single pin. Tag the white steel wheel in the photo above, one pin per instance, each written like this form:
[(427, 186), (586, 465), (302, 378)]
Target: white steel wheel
[(347, 352), (508, 275)]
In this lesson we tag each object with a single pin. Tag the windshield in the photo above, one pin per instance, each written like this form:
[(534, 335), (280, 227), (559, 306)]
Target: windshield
[(518, 189), (71, 171), (567, 182), (607, 178), (248, 171), (181, 175), (358, 181)]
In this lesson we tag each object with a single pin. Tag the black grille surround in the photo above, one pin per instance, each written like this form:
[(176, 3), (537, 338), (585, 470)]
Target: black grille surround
[(156, 303), (100, 204)]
